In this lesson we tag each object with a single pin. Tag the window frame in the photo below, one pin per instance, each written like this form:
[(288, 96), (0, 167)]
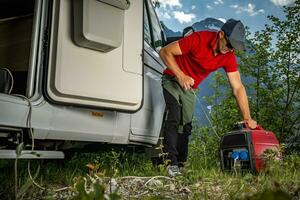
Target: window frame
[(145, 14), (151, 25)]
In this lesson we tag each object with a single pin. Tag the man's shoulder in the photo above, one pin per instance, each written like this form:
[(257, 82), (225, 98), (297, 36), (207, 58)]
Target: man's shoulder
[(207, 33), (206, 36)]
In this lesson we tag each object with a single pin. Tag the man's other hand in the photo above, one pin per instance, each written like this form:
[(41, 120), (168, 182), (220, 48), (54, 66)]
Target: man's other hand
[(186, 82), (251, 123)]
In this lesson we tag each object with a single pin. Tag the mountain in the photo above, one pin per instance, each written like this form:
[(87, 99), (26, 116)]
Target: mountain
[(169, 32), (208, 24)]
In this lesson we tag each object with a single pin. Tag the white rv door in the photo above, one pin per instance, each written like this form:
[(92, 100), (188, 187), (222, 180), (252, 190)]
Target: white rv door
[(95, 54)]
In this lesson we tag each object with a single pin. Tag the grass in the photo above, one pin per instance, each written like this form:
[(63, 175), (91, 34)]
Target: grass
[(135, 177)]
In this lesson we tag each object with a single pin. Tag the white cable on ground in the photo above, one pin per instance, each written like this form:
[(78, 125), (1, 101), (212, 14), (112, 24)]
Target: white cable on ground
[(12, 79), (28, 124), (30, 176), (208, 119), (28, 120)]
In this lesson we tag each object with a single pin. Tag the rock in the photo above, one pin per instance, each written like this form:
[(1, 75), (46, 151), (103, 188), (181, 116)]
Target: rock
[(155, 183), (112, 186), (185, 190), (172, 187)]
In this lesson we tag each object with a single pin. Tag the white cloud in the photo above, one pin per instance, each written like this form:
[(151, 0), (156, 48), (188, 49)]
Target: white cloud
[(234, 6), (193, 7), (217, 2), (250, 9), (170, 3), (282, 2), (166, 15), (184, 17), (209, 7), (167, 7), (222, 19)]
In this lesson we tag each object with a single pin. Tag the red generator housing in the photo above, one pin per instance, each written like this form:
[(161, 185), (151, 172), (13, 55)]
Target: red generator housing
[(243, 147)]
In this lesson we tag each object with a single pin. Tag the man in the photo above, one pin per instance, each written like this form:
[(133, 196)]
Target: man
[(189, 61)]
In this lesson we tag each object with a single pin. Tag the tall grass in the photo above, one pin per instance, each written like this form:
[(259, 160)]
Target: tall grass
[(280, 177), (132, 172)]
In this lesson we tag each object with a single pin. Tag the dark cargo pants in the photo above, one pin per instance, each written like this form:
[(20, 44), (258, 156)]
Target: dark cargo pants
[(178, 124)]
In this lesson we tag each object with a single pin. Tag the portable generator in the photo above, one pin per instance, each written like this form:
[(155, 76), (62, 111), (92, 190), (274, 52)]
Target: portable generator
[(243, 148)]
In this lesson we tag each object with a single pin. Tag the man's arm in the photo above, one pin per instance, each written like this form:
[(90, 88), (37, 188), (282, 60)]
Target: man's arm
[(240, 95), (168, 54)]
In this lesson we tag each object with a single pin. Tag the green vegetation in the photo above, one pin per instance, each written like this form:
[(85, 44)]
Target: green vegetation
[(129, 175), (273, 64)]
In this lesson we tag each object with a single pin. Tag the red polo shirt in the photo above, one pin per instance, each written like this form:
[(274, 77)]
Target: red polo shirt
[(198, 59)]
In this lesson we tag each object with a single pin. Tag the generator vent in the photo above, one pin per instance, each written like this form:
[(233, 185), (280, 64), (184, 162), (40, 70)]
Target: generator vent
[(238, 139)]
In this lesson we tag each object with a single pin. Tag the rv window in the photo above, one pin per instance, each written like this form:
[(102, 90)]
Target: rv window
[(156, 29), (147, 34)]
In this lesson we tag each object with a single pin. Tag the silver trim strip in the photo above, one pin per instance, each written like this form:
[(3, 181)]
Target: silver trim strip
[(34, 48), (28, 154)]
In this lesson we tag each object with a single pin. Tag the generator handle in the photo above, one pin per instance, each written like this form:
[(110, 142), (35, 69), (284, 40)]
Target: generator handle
[(258, 127)]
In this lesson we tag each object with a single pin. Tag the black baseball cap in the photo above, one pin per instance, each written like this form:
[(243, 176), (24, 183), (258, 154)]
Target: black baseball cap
[(235, 32)]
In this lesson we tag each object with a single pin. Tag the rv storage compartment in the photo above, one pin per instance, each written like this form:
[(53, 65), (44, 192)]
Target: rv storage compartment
[(243, 148), (108, 16)]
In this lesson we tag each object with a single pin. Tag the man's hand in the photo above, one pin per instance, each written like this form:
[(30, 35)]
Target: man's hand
[(186, 82), (251, 123), (168, 54)]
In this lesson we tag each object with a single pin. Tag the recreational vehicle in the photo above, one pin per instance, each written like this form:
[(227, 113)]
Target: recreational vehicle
[(79, 71)]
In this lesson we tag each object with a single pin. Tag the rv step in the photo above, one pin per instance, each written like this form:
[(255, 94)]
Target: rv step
[(28, 154)]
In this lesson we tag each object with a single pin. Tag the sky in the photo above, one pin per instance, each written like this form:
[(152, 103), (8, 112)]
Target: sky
[(178, 14)]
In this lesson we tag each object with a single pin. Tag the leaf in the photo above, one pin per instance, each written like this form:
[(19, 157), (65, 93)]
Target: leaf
[(271, 195), (24, 188), (114, 196), (99, 191), (80, 189), (90, 166)]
